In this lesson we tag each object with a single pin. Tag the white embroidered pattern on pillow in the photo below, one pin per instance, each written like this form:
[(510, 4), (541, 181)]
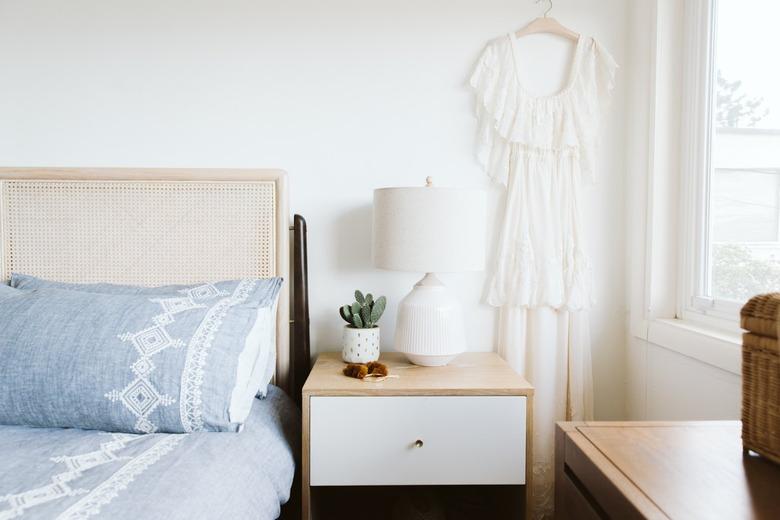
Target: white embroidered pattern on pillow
[(198, 351), (140, 396)]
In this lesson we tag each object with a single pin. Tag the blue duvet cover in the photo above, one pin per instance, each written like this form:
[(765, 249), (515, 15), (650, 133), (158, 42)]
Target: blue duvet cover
[(70, 473)]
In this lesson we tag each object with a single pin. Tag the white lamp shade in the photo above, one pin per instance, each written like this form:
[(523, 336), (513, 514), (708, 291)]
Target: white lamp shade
[(429, 229)]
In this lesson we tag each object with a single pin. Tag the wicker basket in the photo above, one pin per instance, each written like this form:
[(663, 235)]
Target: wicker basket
[(761, 315), (761, 376)]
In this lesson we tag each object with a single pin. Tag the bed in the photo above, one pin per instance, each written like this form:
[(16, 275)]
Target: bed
[(147, 227)]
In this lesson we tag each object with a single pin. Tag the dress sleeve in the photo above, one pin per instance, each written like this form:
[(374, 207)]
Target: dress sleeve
[(600, 70), (485, 70), (605, 68), (488, 83)]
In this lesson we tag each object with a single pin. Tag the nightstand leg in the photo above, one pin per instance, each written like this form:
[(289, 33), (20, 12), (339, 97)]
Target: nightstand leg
[(305, 442), (529, 457)]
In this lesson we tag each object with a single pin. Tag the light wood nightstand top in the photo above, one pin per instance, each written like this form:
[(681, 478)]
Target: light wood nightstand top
[(471, 373)]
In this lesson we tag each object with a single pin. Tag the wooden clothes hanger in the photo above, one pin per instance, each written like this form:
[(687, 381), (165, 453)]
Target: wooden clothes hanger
[(547, 24)]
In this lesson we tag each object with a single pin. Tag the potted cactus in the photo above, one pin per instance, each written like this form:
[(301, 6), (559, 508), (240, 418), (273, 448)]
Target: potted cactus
[(360, 342)]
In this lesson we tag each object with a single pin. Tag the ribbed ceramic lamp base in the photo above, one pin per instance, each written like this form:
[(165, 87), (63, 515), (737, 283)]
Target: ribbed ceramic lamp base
[(429, 328)]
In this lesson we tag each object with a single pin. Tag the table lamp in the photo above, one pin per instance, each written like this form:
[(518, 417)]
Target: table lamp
[(430, 230)]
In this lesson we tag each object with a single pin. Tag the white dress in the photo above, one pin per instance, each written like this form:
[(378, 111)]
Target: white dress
[(540, 147)]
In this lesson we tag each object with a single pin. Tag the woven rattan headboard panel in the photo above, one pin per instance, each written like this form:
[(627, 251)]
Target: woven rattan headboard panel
[(148, 227)]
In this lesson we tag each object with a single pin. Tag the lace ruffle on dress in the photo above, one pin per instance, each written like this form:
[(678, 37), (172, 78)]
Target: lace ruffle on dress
[(540, 147)]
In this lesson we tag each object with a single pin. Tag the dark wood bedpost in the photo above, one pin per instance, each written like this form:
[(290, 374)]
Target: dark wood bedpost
[(300, 361)]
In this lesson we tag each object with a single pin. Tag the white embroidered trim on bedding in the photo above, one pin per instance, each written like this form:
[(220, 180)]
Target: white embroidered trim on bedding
[(190, 405), (76, 466), (140, 396), (110, 488)]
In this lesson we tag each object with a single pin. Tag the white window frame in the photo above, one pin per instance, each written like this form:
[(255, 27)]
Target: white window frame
[(663, 228), (700, 26)]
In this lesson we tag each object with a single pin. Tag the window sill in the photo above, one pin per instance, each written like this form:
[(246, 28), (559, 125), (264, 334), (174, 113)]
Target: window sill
[(708, 345)]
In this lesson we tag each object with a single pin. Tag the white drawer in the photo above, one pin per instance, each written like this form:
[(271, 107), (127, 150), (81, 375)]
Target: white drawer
[(371, 440)]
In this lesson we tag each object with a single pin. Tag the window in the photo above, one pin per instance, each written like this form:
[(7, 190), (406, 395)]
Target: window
[(736, 174)]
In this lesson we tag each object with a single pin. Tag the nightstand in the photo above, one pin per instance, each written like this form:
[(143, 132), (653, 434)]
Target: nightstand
[(464, 424)]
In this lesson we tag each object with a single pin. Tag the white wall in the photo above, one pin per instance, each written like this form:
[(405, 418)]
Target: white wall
[(668, 386), (345, 95)]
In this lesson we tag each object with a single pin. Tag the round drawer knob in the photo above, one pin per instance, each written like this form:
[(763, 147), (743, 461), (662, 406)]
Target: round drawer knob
[(418, 443)]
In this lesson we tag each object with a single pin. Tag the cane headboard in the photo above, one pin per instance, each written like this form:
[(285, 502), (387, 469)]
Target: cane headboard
[(148, 227)]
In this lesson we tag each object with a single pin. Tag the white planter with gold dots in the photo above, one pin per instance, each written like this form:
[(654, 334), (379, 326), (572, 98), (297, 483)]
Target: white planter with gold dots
[(360, 345)]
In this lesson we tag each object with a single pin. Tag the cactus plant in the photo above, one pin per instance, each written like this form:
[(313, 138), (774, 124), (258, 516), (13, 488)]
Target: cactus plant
[(364, 312)]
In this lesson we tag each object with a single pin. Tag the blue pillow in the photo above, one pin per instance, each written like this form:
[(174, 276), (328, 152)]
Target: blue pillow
[(140, 360), (257, 363)]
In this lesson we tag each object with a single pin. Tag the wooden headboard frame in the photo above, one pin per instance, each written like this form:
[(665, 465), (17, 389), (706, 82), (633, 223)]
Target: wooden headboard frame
[(156, 227)]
